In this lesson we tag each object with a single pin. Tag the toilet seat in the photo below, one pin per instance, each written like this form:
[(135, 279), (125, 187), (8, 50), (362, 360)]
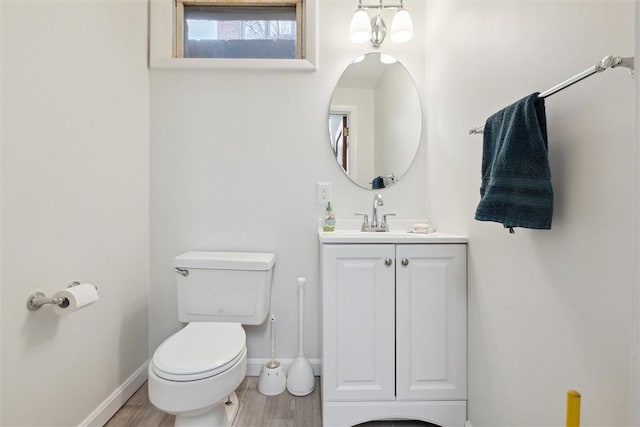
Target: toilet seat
[(199, 350)]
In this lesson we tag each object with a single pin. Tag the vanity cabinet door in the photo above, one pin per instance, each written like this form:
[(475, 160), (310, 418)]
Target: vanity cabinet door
[(358, 354), (431, 322)]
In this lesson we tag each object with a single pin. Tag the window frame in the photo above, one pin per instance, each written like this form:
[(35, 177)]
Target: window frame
[(179, 16), (162, 42)]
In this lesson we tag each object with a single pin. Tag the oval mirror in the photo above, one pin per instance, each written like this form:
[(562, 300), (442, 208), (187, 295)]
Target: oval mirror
[(375, 121)]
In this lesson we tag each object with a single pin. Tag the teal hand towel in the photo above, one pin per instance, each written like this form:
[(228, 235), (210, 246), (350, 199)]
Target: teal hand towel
[(516, 178), (377, 183)]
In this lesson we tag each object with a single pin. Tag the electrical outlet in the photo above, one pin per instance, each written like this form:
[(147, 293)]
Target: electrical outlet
[(323, 192)]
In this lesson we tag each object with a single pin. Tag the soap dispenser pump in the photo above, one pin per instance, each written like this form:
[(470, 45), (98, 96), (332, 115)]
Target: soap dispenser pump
[(329, 219)]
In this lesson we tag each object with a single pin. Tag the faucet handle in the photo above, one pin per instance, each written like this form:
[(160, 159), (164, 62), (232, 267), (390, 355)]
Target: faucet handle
[(365, 221), (384, 226)]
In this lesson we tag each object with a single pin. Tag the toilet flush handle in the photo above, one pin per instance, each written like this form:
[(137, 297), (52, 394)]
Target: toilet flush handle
[(182, 271)]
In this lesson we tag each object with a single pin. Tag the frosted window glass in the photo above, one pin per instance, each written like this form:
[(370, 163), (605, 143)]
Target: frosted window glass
[(240, 32)]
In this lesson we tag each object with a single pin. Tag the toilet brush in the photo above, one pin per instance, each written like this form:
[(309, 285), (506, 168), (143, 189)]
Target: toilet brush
[(300, 378), (272, 379)]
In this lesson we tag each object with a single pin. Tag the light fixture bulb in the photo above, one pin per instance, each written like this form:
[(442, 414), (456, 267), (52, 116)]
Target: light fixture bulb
[(401, 27), (360, 28)]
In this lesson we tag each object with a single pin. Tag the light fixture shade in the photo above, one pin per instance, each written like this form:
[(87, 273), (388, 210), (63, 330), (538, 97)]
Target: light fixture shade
[(401, 27), (360, 28), (387, 59)]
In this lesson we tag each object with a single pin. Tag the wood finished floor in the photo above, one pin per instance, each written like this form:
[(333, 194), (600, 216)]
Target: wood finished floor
[(256, 410)]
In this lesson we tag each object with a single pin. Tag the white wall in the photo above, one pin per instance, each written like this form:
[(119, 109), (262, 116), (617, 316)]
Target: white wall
[(1, 204), (548, 310), (235, 156), (74, 202), (634, 407)]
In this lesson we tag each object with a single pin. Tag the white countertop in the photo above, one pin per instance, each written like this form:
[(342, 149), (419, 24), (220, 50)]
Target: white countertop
[(348, 231)]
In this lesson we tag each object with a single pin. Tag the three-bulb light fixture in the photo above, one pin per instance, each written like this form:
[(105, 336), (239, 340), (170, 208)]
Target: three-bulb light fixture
[(374, 30)]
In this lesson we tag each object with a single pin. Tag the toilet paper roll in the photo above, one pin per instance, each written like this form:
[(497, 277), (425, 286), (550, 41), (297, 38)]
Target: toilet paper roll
[(76, 297)]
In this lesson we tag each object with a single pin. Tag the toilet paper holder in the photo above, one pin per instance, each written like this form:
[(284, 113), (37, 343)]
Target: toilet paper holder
[(37, 299)]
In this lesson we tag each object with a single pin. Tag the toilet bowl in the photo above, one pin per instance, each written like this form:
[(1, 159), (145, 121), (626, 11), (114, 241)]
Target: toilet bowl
[(193, 374)]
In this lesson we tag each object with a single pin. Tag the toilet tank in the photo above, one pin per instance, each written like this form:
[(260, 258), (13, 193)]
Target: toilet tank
[(224, 286)]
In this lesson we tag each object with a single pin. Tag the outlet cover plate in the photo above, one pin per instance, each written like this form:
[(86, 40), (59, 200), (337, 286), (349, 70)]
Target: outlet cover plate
[(323, 192)]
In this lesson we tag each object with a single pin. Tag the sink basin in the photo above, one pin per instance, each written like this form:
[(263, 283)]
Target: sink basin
[(393, 236)]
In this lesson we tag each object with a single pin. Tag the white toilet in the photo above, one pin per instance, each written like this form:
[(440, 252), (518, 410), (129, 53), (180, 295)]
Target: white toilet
[(194, 372)]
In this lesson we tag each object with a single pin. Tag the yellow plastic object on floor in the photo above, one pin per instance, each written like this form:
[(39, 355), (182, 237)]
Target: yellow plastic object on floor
[(573, 408)]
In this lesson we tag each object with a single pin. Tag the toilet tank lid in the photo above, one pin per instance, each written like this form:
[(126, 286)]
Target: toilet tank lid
[(225, 260)]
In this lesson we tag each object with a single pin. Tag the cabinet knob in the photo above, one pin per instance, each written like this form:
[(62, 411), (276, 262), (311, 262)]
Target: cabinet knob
[(405, 261), (388, 261)]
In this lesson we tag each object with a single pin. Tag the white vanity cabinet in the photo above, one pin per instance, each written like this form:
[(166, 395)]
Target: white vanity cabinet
[(394, 333)]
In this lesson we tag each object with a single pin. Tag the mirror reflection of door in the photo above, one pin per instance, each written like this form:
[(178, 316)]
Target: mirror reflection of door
[(339, 124)]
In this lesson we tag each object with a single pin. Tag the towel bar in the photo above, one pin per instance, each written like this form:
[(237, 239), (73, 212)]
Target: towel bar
[(607, 62)]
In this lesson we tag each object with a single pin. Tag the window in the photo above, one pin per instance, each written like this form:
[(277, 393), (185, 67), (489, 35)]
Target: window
[(163, 35), (267, 29)]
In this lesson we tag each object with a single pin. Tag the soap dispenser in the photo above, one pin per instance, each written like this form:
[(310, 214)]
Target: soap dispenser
[(329, 219)]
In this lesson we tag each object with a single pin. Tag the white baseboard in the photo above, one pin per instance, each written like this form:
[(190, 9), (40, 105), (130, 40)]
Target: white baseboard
[(111, 404), (254, 366)]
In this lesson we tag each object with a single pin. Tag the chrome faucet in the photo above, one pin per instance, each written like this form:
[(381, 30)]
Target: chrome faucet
[(373, 225), (377, 201)]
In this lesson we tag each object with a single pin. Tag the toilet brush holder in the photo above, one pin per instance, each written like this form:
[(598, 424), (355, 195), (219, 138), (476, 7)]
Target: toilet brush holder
[(272, 379)]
